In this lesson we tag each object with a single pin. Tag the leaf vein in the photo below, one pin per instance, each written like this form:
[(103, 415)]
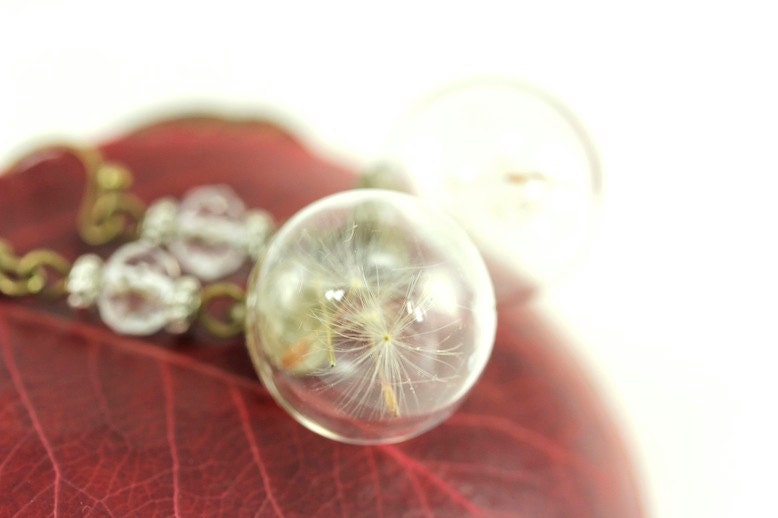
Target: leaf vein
[(16, 379)]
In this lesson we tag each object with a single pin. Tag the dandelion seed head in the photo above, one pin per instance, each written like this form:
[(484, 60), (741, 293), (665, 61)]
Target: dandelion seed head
[(370, 317)]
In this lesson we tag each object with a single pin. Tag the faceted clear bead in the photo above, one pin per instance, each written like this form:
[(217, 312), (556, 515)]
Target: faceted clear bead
[(159, 223), (209, 232), (83, 282), (138, 282)]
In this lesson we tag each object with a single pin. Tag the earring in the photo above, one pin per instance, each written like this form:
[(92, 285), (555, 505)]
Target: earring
[(517, 160), (369, 316)]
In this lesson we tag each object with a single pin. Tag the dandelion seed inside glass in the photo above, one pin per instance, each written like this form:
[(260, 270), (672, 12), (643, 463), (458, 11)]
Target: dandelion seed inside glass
[(370, 317)]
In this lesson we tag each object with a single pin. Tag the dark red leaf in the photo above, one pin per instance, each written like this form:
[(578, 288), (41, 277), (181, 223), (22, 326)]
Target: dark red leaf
[(92, 423)]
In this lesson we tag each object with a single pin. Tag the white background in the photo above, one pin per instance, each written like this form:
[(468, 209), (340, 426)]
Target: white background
[(674, 307)]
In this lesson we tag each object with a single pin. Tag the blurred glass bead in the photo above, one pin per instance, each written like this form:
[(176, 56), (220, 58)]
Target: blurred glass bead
[(512, 165)]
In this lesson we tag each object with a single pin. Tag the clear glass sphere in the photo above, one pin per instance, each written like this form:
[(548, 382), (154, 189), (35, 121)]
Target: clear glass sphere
[(370, 316), (512, 165)]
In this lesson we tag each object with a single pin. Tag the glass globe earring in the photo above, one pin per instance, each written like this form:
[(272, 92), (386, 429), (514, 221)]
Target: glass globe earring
[(512, 165), (370, 316)]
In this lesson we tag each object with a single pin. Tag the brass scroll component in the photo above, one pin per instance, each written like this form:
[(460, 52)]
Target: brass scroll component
[(29, 274), (108, 210)]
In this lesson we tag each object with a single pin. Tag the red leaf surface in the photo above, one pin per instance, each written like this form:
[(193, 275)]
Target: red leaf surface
[(94, 424)]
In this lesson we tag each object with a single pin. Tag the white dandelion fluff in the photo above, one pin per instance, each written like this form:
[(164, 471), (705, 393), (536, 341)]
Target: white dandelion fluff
[(370, 317)]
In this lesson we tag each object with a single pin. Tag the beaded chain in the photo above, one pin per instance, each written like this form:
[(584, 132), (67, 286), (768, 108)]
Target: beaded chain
[(368, 317), (110, 212)]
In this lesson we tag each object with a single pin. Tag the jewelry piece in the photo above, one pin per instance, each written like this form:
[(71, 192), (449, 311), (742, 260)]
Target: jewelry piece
[(210, 233), (512, 165), (369, 317), (139, 291)]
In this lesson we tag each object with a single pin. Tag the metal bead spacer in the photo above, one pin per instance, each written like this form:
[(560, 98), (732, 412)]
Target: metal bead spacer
[(84, 281), (159, 223), (183, 305), (259, 226)]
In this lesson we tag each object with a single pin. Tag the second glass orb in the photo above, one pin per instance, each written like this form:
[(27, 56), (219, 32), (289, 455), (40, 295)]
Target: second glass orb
[(512, 165)]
